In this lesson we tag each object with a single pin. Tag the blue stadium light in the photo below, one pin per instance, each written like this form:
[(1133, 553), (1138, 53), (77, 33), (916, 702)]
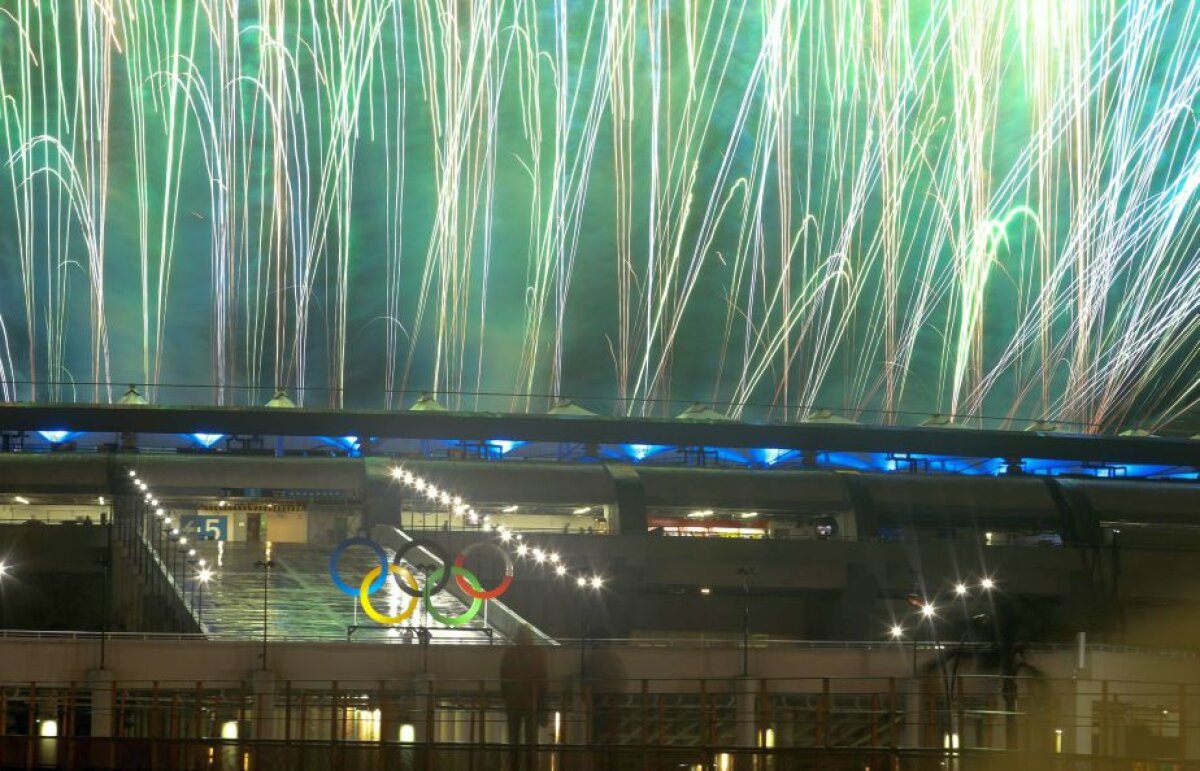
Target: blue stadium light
[(207, 440), (769, 456), (348, 443), (55, 437), (504, 446), (643, 451), (858, 461)]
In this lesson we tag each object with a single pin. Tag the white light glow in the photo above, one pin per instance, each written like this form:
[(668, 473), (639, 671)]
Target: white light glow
[(597, 582), (229, 729), (21, 499), (582, 510), (896, 631), (48, 728), (510, 509), (581, 581), (928, 610), (561, 570), (960, 589), (408, 734), (987, 584)]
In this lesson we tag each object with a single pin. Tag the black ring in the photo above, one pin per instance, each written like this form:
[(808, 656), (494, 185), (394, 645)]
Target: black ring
[(438, 552)]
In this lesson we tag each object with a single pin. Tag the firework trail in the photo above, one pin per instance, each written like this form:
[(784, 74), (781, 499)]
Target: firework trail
[(884, 207)]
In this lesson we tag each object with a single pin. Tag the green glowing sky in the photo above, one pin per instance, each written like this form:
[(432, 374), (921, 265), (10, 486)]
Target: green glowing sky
[(989, 210)]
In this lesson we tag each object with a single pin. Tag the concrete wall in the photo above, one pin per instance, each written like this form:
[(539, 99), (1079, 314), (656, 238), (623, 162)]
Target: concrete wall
[(54, 577), (286, 527), (183, 660)]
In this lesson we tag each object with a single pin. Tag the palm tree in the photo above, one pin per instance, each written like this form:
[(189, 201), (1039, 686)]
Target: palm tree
[(1001, 641)]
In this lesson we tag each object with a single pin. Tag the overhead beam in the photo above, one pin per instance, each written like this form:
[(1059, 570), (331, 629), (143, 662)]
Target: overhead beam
[(599, 430)]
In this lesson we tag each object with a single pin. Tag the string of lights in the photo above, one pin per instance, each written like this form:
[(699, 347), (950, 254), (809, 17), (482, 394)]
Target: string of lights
[(171, 527), (515, 542)]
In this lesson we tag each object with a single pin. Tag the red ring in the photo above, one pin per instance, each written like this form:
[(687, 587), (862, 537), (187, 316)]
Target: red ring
[(500, 588)]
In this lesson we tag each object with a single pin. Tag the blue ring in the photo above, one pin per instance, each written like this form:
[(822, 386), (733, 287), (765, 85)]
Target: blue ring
[(345, 588)]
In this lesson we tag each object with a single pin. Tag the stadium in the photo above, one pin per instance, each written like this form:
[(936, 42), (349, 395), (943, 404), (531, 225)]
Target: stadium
[(565, 385)]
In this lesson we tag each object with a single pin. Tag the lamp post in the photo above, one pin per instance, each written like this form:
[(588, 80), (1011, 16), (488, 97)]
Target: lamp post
[(265, 565), (3, 604), (746, 573), (202, 578), (105, 563)]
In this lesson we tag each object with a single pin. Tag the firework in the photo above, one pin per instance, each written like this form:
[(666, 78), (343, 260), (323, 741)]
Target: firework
[(986, 210)]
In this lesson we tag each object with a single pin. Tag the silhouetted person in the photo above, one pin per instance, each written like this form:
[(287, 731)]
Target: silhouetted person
[(523, 686)]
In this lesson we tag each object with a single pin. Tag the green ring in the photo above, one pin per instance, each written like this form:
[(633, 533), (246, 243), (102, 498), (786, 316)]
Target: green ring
[(469, 613)]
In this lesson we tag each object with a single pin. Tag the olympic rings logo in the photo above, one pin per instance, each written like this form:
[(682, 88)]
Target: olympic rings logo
[(436, 581)]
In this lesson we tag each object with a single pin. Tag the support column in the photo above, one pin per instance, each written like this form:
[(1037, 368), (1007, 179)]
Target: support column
[(913, 722), (630, 516), (390, 715), (100, 682), (1079, 738), (262, 683), (746, 713), (424, 722), (575, 714)]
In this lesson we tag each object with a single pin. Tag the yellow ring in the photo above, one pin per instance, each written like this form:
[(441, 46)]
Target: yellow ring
[(364, 595)]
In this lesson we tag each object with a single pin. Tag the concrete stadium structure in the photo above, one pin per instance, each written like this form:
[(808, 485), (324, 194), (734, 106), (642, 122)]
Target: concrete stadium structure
[(829, 595)]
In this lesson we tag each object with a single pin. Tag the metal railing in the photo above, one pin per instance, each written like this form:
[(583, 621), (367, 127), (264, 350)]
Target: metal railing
[(703, 642), (676, 717)]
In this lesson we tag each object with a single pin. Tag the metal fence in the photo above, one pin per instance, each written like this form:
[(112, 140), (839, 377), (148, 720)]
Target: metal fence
[(680, 718)]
